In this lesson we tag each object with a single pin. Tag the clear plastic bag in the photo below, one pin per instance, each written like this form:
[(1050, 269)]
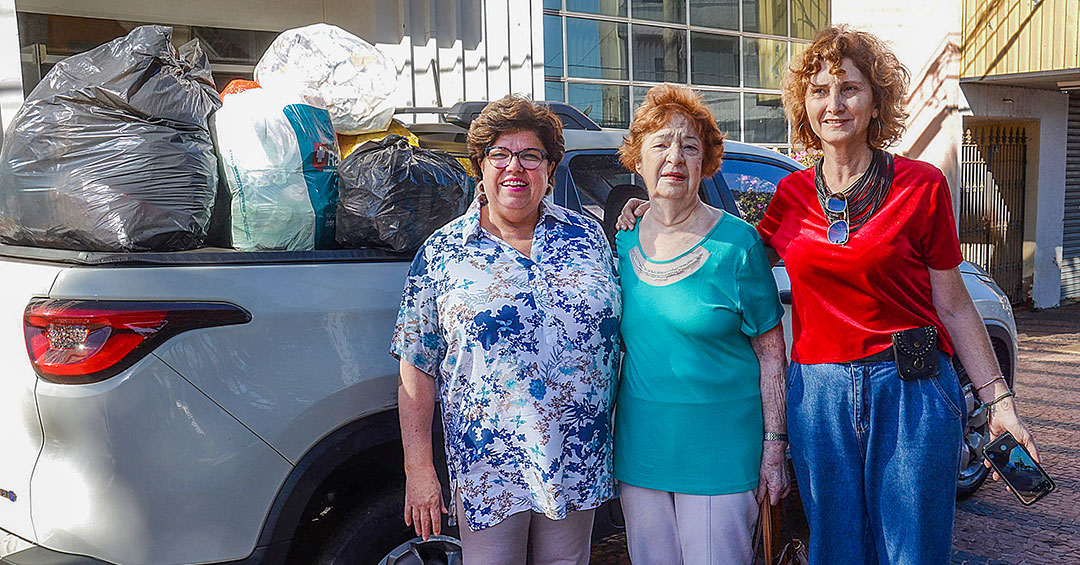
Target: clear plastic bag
[(331, 68), (112, 150), (393, 195), (280, 161)]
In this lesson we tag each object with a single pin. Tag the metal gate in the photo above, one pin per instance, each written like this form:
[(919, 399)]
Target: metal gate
[(1070, 248), (992, 181)]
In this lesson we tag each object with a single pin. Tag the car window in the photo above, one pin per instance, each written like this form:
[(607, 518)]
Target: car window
[(752, 185), (595, 176)]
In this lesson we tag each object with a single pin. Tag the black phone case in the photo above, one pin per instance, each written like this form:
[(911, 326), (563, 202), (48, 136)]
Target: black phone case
[(1004, 477)]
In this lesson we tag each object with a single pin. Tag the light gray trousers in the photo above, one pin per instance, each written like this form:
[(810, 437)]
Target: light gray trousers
[(528, 537), (665, 528)]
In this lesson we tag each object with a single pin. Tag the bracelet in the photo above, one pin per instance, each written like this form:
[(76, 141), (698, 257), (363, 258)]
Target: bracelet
[(990, 382), (1000, 398), (775, 436)]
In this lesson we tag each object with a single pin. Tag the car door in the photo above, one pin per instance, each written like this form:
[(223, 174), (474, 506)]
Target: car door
[(748, 183)]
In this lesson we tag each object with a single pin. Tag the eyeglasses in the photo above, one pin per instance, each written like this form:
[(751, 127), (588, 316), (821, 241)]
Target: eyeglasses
[(500, 157), (836, 208)]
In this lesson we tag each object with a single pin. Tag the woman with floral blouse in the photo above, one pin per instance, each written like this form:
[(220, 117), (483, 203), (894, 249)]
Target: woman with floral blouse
[(511, 312)]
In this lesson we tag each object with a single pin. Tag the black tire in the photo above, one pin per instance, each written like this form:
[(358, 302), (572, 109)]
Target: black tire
[(972, 473), (368, 532)]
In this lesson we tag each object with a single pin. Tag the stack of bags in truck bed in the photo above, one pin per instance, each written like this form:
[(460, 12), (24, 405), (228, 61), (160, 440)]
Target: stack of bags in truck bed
[(118, 149)]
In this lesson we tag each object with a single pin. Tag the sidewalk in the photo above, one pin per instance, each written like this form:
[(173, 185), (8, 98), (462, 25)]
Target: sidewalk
[(992, 527)]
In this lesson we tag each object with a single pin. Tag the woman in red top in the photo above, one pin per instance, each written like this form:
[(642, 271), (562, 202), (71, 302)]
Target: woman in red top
[(870, 245)]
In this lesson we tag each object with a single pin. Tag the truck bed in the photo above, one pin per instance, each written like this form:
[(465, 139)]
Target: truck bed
[(204, 256)]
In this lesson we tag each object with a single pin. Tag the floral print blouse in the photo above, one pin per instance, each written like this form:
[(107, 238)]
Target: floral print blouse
[(525, 351)]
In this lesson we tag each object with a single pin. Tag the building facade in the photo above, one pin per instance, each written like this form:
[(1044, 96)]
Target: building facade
[(445, 50), (604, 55)]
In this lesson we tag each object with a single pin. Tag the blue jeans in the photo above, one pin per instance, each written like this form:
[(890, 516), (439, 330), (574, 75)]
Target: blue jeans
[(876, 459)]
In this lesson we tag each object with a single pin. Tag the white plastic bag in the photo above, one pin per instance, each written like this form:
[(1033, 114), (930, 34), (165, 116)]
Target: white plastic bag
[(280, 161), (331, 68)]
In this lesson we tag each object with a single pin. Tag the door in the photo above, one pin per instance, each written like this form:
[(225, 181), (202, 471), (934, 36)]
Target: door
[(1070, 248), (992, 181)]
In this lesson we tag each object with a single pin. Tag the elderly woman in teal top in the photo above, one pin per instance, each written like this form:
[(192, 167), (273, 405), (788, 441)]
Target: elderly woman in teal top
[(699, 426)]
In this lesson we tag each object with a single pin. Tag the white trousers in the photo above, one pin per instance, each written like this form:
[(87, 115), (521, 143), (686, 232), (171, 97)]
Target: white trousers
[(528, 537), (665, 528)]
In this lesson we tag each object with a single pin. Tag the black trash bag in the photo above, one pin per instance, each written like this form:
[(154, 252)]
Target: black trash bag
[(392, 195), (112, 150)]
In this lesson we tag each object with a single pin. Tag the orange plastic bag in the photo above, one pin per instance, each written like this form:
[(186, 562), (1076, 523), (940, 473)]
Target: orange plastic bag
[(237, 86)]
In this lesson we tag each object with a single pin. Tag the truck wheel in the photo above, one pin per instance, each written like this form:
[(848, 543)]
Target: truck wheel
[(976, 435), (368, 532)]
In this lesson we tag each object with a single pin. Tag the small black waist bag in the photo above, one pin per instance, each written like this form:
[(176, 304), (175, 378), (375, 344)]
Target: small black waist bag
[(916, 352)]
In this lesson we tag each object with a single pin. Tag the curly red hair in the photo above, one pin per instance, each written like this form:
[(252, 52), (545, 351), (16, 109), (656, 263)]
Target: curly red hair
[(661, 104), (887, 76)]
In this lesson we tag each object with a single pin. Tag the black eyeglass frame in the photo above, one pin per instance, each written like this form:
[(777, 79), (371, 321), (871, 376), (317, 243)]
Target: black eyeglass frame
[(543, 157)]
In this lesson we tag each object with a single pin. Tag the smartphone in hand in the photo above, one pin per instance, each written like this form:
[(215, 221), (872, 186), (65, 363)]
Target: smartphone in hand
[(1025, 477)]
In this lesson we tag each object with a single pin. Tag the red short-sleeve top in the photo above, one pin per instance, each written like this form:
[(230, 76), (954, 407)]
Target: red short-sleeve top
[(847, 299)]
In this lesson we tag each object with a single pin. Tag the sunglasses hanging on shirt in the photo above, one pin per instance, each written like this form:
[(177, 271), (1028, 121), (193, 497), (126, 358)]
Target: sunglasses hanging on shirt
[(846, 212)]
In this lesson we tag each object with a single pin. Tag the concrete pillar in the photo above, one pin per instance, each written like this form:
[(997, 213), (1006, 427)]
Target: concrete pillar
[(11, 87)]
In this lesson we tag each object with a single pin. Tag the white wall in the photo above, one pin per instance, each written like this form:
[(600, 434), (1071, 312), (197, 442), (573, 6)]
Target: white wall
[(11, 95), (925, 35), (1050, 111)]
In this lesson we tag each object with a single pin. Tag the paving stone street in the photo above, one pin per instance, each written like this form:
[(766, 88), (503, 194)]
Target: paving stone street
[(992, 527)]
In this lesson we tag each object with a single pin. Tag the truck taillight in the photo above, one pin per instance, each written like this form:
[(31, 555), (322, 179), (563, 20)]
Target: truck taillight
[(86, 341)]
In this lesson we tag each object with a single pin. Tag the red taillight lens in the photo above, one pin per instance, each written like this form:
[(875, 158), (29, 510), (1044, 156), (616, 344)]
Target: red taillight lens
[(86, 341)]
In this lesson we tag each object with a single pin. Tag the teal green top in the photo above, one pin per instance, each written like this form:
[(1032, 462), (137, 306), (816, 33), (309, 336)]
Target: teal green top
[(688, 413)]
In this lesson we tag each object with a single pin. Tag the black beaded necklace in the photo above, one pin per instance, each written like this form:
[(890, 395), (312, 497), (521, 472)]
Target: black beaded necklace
[(866, 195)]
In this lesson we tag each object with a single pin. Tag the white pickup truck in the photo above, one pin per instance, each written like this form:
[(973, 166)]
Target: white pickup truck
[(223, 406)]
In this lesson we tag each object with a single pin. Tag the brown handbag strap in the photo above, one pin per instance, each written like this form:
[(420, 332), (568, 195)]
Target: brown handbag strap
[(765, 518)]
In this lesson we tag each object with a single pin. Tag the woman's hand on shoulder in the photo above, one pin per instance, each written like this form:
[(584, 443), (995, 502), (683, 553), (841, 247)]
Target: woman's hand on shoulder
[(775, 480), (423, 502), (634, 209)]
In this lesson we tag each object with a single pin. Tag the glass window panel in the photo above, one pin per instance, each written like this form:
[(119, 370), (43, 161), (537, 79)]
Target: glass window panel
[(600, 7), (797, 49), (765, 121), (722, 14), (752, 186), (764, 61), (596, 49), (808, 16), (715, 59), (553, 4), (659, 54), (233, 45), (670, 11), (553, 46), (725, 108), (765, 16), (607, 104), (553, 90), (640, 92)]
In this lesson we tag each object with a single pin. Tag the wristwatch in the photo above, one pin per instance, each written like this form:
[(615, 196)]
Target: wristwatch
[(775, 436)]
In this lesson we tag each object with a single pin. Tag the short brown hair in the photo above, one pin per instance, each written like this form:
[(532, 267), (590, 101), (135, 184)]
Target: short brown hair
[(887, 76), (661, 104), (512, 113)]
